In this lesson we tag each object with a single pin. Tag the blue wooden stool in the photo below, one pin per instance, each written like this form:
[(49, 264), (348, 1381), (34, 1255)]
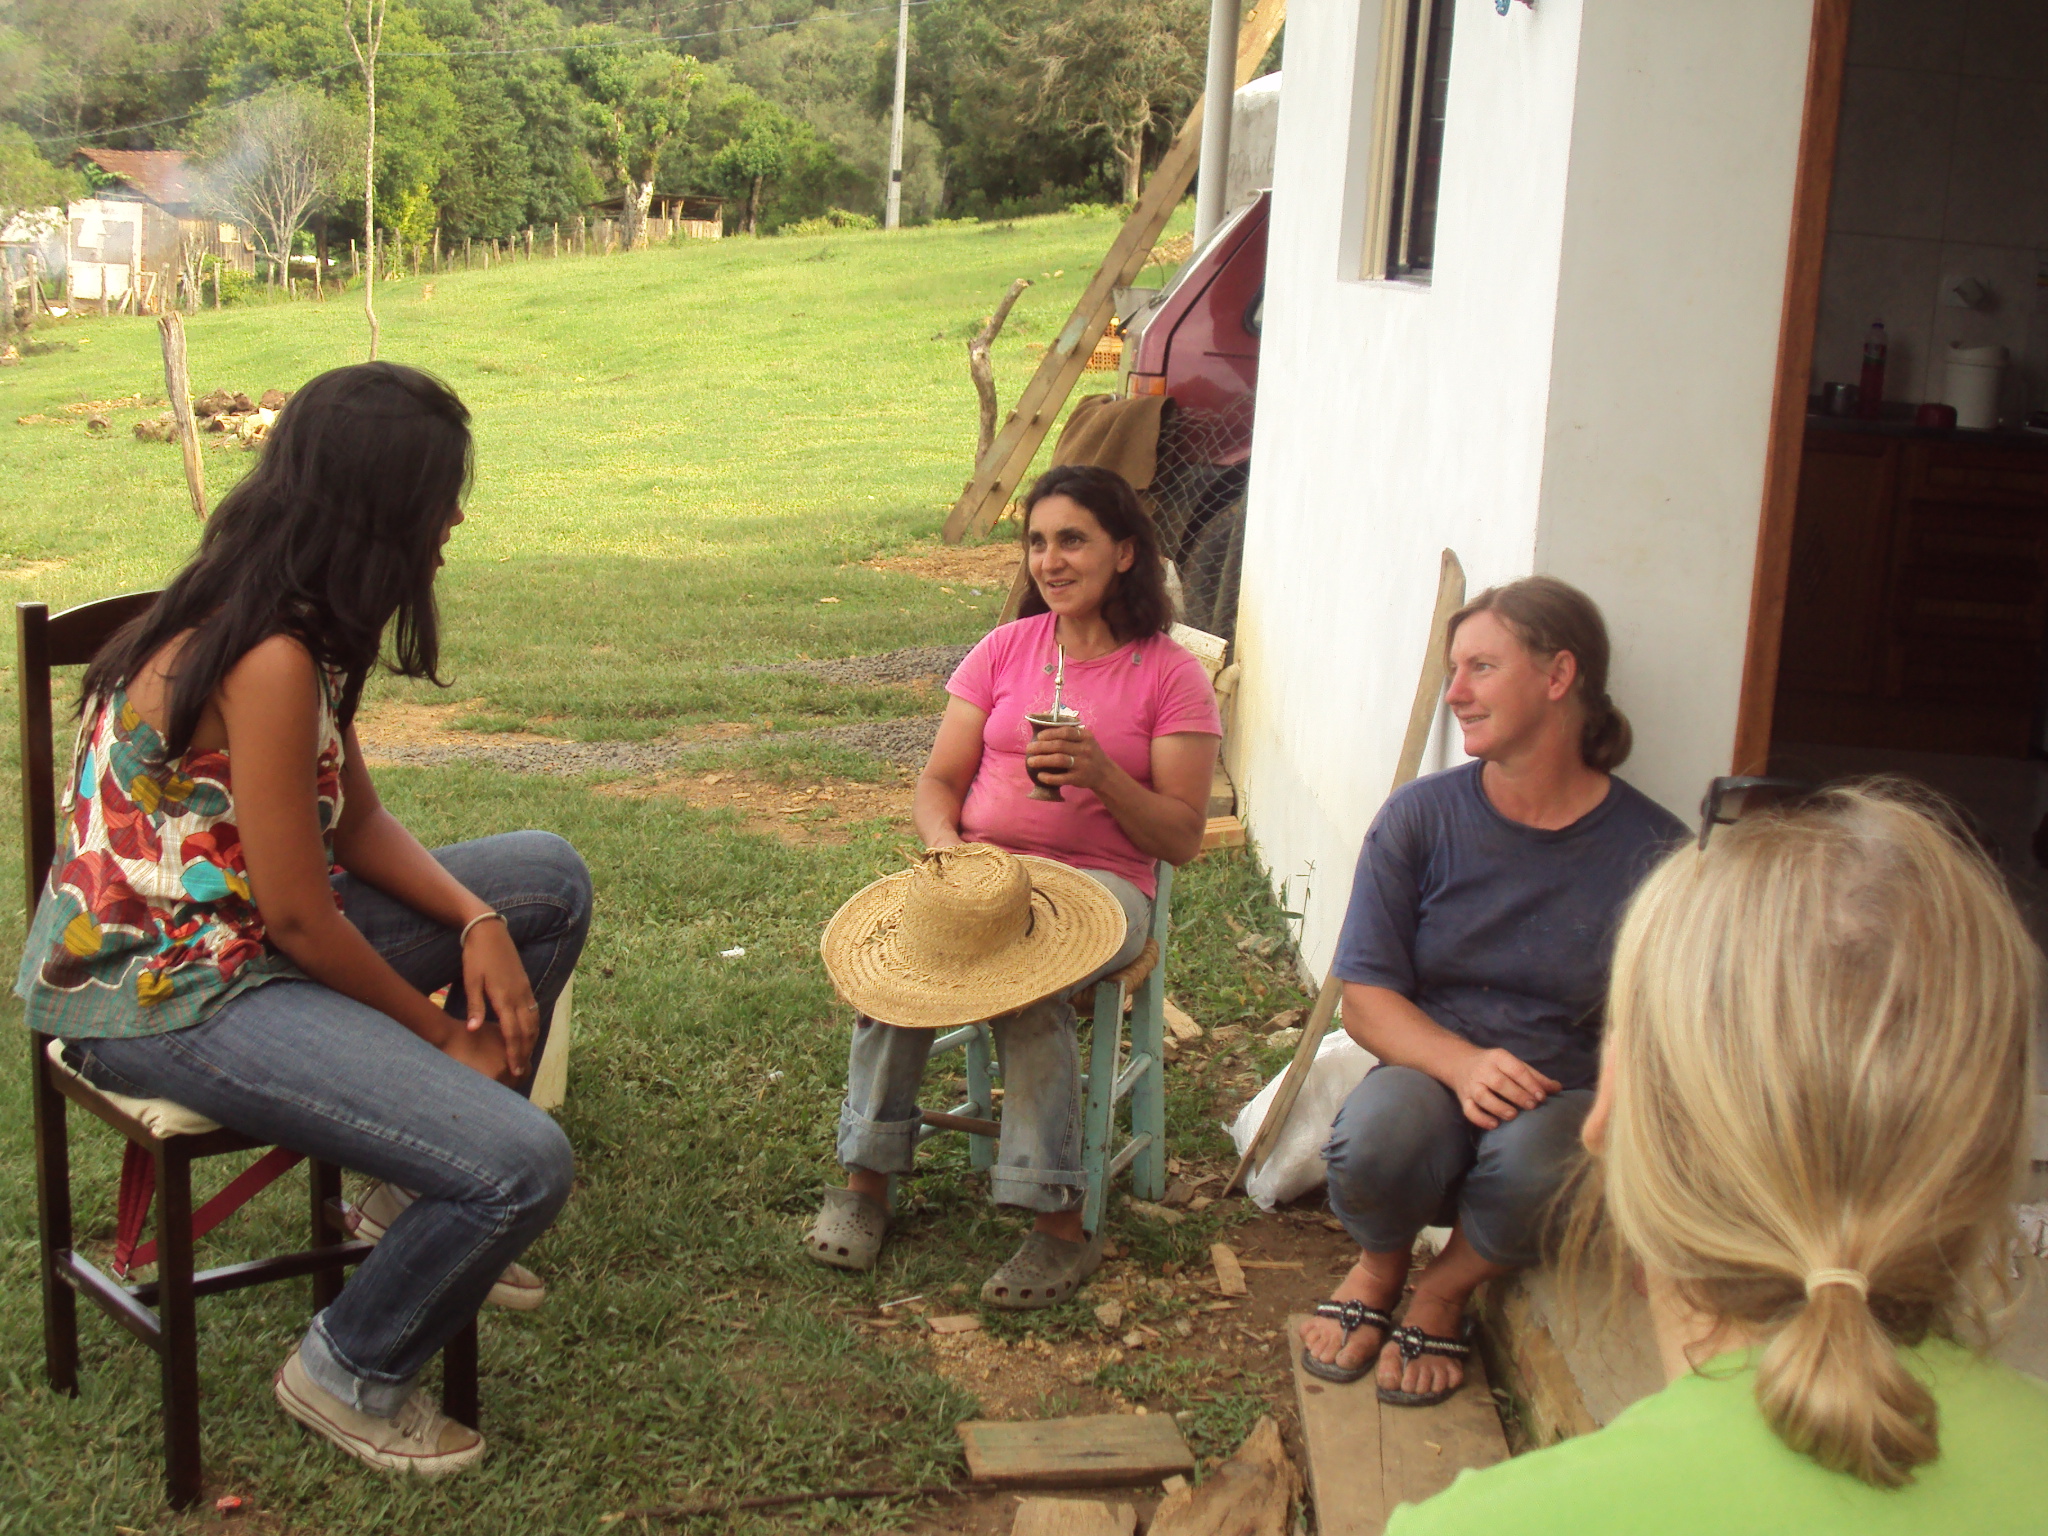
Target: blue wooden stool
[(1111, 1076)]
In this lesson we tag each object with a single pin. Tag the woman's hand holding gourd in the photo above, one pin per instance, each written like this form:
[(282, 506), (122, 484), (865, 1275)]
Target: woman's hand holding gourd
[(494, 980), (1494, 1086), (1068, 754)]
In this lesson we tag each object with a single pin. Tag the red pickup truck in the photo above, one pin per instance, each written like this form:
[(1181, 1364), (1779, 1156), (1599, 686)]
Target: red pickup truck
[(1198, 344)]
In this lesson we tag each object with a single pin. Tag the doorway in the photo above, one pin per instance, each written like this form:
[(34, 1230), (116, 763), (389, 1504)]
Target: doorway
[(1909, 553), (1899, 619)]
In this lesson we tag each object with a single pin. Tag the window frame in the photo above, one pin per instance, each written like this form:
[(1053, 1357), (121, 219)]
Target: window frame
[(1412, 52)]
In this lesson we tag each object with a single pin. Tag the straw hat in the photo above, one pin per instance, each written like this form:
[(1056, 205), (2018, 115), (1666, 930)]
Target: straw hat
[(969, 933)]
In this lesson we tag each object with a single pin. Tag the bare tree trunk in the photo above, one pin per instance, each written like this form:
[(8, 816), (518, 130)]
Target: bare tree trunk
[(1133, 160), (178, 385), (633, 219), (754, 206), (374, 12), (983, 373)]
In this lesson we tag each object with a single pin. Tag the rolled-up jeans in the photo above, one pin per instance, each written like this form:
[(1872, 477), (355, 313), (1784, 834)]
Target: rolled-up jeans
[(1402, 1156), (1038, 1157), (301, 1066)]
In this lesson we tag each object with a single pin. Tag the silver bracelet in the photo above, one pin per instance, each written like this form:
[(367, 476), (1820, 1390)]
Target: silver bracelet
[(481, 917)]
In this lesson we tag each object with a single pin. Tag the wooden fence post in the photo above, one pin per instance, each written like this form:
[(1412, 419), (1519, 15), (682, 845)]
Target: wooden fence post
[(178, 385), (555, 241)]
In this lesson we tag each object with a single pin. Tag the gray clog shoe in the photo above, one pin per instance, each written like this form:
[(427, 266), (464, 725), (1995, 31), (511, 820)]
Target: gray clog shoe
[(1044, 1272), (849, 1230)]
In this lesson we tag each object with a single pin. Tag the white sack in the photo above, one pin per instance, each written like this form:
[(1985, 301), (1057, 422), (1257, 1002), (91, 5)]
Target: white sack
[(1294, 1166)]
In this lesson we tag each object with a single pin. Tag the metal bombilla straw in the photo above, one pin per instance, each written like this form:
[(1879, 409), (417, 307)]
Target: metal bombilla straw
[(1040, 790)]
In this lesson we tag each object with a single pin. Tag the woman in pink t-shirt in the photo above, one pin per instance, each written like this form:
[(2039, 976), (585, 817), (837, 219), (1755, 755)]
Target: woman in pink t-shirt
[(1135, 778)]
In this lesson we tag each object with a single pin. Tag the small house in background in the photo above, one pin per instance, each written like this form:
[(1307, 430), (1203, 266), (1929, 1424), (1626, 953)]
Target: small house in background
[(691, 217), (126, 240)]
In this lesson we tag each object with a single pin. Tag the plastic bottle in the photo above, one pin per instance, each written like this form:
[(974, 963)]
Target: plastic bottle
[(1870, 391)]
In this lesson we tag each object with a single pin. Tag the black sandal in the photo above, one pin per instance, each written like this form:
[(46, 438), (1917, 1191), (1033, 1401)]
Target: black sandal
[(1350, 1316), (1414, 1344)]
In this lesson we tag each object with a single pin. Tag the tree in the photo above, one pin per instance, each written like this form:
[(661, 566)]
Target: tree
[(519, 156), (640, 101), (366, 48), (419, 121), (967, 83), (273, 159), (757, 154), (29, 187), (1115, 70), (414, 224)]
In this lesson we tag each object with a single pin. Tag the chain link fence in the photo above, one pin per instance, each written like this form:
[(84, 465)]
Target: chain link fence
[(1198, 495)]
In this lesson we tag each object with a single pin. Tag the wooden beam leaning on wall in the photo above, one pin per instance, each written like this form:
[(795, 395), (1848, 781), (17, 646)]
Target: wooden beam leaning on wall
[(996, 476)]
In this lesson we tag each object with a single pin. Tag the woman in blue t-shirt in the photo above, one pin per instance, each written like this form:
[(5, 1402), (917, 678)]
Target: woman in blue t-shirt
[(1474, 960)]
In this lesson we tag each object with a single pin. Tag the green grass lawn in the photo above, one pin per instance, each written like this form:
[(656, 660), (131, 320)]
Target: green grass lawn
[(679, 454)]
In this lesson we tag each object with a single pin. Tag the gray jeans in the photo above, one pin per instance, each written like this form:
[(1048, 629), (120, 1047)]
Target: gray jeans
[(296, 1064), (1402, 1156), (1038, 1159)]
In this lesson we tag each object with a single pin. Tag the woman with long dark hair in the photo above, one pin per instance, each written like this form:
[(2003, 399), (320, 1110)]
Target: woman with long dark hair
[(193, 943), (1134, 776)]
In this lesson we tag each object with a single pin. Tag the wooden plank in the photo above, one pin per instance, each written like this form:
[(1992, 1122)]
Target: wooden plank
[(1229, 1273), (1340, 1429), (1100, 1451), (1223, 832), (1023, 430), (1074, 1517), (1429, 687), (1423, 1449)]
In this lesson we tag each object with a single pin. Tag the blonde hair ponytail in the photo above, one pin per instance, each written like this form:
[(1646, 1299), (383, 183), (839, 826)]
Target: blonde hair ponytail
[(1818, 1036), (1832, 1385)]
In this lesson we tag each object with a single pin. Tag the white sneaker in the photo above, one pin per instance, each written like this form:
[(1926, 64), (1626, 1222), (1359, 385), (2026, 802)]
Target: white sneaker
[(518, 1289), (419, 1438)]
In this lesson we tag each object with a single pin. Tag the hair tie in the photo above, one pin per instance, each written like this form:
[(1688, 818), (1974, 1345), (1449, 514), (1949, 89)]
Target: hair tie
[(1853, 1278)]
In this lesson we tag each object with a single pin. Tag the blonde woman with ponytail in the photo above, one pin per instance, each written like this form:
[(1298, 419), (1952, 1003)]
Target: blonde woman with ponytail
[(1807, 1137)]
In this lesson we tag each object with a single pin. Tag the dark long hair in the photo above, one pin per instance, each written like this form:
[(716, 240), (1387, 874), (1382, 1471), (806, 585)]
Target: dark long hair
[(1547, 616), (331, 538), (1137, 604)]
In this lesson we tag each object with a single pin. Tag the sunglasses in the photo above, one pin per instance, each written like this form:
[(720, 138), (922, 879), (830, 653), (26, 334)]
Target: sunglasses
[(1729, 800)]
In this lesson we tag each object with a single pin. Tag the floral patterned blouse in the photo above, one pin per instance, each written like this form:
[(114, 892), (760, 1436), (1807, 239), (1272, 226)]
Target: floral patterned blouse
[(146, 925)]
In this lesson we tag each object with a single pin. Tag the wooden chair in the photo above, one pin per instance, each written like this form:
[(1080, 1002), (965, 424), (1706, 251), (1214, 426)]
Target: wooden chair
[(1110, 1078), (163, 1137)]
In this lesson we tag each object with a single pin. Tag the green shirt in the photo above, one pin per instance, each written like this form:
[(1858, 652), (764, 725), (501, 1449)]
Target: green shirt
[(1698, 1458)]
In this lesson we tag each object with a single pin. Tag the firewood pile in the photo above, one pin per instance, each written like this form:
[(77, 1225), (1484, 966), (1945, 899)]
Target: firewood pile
[(228, 412)]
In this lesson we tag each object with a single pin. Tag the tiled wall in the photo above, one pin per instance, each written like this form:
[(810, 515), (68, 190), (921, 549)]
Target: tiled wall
[(1941, 172)]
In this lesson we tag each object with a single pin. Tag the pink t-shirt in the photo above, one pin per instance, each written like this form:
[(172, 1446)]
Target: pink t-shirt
[(1148, 688)]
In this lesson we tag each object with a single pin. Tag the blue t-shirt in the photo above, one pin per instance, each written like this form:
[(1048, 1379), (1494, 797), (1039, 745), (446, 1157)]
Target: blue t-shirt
[(1500, 932)]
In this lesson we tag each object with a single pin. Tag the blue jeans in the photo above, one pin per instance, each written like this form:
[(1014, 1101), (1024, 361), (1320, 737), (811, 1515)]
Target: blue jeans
[(1038, 1158), (1402, 1156), (293, 1063)]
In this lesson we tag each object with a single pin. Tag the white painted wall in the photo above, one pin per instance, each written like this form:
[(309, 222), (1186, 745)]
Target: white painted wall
[(1584, 388)]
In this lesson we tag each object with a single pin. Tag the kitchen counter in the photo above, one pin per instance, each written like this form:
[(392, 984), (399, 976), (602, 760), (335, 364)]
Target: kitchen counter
[(1903, 427)]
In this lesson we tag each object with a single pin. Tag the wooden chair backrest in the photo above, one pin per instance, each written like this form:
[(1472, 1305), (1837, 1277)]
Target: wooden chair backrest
[(43, 640)]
